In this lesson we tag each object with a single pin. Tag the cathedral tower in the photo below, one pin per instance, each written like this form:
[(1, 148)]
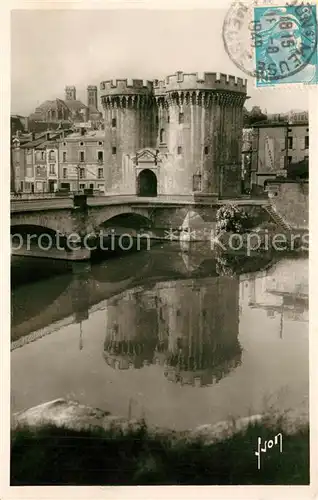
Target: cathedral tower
[(70, 93), (92, 96)]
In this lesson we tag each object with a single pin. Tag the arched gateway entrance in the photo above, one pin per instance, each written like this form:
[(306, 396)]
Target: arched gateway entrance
[(147, 183)]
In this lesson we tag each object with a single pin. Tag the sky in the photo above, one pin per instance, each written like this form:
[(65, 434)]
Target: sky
[(54, 48)]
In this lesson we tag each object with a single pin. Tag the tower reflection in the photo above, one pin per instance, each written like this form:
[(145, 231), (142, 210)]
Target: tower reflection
[(132, 329), (189, 327)]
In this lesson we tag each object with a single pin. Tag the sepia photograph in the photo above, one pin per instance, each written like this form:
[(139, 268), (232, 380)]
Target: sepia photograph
[(159, 234)]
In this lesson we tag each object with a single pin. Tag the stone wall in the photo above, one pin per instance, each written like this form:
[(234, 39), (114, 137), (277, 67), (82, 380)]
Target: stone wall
[(291, 201), (196, 118)]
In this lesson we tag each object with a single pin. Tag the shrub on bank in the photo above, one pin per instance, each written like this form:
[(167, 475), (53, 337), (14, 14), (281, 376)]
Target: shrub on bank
[(53, 455), (231, 218)]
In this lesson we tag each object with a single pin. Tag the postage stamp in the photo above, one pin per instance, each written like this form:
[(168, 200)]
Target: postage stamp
[(285, 40), (274, 44)]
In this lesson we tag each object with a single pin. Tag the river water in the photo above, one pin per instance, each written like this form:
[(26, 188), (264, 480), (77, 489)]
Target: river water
[(181, 338)]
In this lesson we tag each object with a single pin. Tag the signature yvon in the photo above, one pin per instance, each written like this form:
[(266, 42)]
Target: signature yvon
[(278, 440)]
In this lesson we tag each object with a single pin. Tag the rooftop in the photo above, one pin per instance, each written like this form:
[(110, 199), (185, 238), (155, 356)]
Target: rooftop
[(280, 123), (89, 134)]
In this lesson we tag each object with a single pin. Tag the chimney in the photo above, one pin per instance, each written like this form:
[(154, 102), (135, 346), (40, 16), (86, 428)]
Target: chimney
[(83, 131), (92, 96), (70, 93)]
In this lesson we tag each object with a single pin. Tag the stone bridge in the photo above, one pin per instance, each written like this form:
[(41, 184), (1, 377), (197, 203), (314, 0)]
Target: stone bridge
[(85, 215)]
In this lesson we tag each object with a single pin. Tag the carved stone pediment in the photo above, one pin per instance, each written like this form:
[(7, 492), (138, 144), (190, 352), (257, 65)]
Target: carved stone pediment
[(146, 155)]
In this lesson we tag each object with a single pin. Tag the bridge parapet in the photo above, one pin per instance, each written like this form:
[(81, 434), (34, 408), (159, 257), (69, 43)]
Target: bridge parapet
[(38, 196), (39, 204)]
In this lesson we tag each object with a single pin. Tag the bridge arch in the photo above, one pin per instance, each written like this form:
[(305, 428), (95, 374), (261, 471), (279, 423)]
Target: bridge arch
[(55, 220), (120, 214), (35, 236)]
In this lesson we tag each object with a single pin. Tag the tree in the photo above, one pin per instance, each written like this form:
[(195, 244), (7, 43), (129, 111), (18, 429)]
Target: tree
[(256, 115), (231, 218)]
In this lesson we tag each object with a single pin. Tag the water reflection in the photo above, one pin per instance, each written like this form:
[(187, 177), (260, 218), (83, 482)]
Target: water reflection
[(281, 291), (151, 329), (190, 327)]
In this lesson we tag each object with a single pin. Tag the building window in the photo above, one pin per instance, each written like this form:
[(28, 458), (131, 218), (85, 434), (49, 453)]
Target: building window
[(168, 119), (81, 173), (64, 173), (100, 143), (179, 150), (82, 186), (52, 169), (162, 136), (290, 158), (64, 143), (206, 150), (197, 183), (38, 170), (114, 150), (306, 141), (82, 156), (52, 155), (81, 143), (181, 117), (100, 173), (114, 122), (42, 155), (100, 156), (64, 157)]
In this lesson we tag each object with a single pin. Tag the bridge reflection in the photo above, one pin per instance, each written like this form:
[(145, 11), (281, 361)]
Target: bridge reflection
[(42, 307)]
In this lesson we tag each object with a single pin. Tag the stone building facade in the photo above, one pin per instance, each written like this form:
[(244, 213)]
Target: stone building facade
[(81, 161), (178, 136), (275, 145), (35, 162)]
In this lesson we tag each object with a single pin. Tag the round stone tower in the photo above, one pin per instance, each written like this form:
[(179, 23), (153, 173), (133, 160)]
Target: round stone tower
[(203, 130), (129, 114)]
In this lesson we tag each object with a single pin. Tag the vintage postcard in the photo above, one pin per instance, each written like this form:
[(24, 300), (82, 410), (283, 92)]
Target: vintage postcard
[(161, 333)]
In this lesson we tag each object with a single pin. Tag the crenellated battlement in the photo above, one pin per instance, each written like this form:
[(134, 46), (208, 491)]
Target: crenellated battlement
[(126, 87), (159, 87), (177, 82), (204, 81)]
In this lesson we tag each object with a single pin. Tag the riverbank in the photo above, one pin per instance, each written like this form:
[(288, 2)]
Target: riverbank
[(64, 443)]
